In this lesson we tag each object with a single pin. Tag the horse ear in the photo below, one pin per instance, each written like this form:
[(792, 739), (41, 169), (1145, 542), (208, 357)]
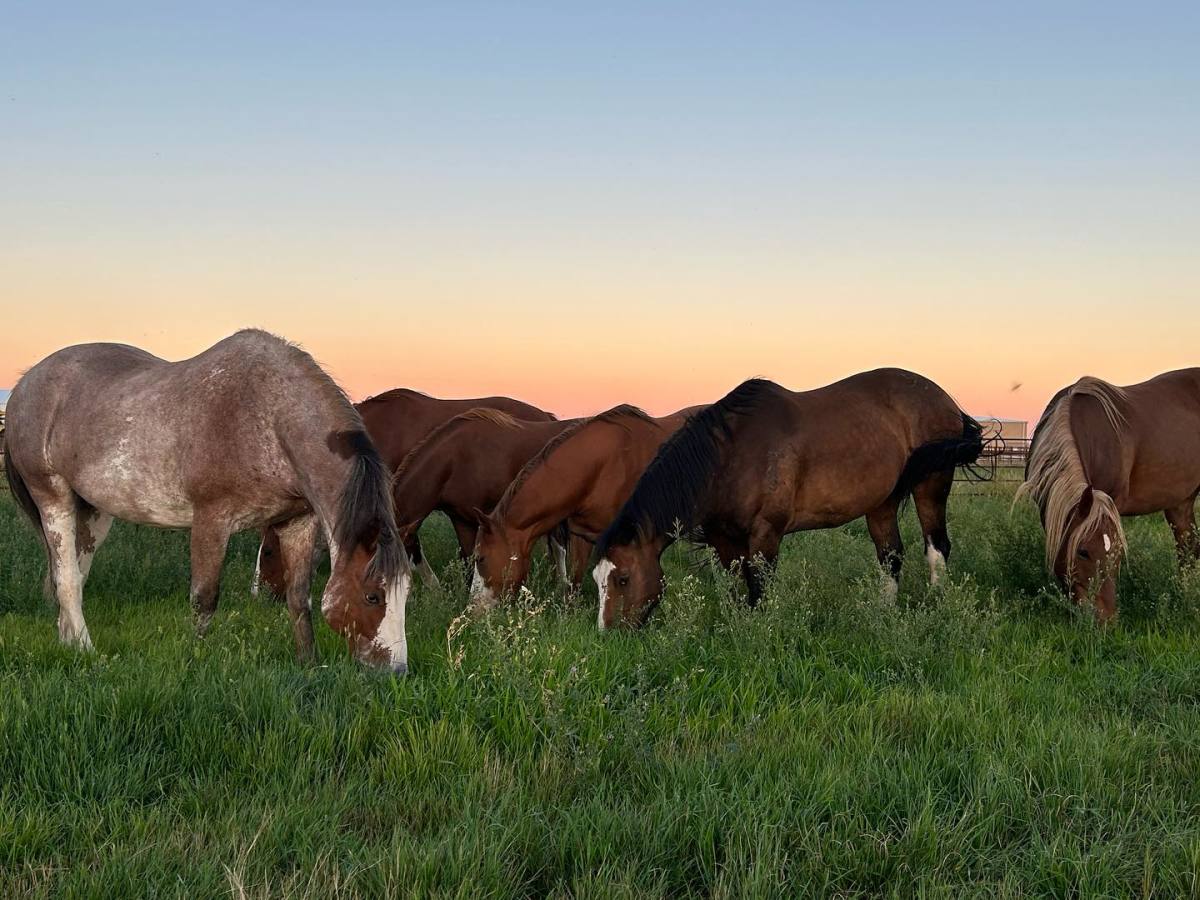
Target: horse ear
[(481, 518), (1086, 499)]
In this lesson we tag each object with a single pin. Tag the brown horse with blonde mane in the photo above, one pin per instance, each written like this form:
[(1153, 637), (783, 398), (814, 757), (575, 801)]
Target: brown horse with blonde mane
[(582, 476), (764, 461), (463, 469), (1101, 452), (397, 420)]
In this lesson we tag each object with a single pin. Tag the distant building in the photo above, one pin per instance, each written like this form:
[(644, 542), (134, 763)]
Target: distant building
[(1009, 429)]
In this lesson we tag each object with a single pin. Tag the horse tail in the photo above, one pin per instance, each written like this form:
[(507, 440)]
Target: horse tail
[(941, 455), (20, 490)]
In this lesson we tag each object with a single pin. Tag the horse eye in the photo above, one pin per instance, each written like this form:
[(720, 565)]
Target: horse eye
[(1084, 554), (374, 599), (623, 580)]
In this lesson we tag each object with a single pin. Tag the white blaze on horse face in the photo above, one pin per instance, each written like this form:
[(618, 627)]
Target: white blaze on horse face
[(391, 636), (603, 569), (937, 563), (1107, 544), (481, 594)]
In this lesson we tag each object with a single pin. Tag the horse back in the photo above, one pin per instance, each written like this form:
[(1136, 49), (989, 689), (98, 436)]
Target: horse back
[(1161, 442)]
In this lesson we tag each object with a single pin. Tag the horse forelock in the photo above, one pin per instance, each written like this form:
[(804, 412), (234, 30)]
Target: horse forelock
[(671, 492), (1055, 478)]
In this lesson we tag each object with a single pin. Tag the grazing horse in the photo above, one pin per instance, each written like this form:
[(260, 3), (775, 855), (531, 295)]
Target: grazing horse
[(463, 469), (247, 433), (764, 461), (1100, 452), (582, 476), (397, 421)]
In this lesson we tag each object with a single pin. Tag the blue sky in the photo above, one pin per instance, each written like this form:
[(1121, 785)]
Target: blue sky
[(418, 166)]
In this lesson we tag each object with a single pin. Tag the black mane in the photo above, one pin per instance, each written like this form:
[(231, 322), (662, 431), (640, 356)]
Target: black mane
[(672, 492), (365, 510)]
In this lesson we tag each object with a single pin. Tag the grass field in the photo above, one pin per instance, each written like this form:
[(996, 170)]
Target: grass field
[(982, 738)]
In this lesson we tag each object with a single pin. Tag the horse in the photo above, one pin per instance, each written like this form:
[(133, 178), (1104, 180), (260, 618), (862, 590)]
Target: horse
[(248, 433), (397, 420), (764, 461), (582, 476), (464, 467), (1101, 452)]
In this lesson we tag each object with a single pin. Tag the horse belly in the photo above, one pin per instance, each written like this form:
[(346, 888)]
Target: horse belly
[(834, 492), (135, 493)]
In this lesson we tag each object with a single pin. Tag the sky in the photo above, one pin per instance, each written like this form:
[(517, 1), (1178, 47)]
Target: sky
[(588, 204)]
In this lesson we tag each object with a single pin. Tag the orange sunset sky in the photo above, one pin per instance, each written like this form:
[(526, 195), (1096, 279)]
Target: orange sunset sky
[(587, 207)]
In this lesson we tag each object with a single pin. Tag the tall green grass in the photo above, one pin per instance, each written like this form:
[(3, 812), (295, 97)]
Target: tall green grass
[(980, 738)]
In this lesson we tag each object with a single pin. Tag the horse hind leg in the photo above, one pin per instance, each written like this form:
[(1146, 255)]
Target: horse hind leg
[(884, 527), (931, 496), (59, 508), (1182, 519), (91, 530)]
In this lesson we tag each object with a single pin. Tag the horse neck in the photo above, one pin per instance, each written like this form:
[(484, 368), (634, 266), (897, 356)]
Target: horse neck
[(321, 471), (545, 498), (417, 489)]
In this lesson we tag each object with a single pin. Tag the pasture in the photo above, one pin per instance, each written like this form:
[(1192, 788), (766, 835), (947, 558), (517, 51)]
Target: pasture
[(977, 738)]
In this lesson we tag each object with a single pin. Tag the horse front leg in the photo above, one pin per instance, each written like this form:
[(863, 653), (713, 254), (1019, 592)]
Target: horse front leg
[(298, 541), (765, 539), (210, 538)]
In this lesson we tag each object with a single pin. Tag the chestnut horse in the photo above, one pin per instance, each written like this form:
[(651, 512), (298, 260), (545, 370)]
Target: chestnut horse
[(764, 461), (1100, 452), (247, 433), (463, 469), (397, 421), (582, 476)]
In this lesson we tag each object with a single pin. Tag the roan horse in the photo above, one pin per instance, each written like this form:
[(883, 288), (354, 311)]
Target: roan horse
[(463, 469), (581, 476), (764, 461), (1100, 452), (249, 432), (397, 420)]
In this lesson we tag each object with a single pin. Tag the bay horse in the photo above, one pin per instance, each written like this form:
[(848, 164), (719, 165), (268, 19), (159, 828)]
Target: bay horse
[(397, 420), (764, 462), (463, 468), (249, 432), (581, 477), (1101, 452)]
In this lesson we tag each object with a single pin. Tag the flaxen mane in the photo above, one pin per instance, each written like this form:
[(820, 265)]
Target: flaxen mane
[(1055, 478), (618, 415), (675, 487)]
